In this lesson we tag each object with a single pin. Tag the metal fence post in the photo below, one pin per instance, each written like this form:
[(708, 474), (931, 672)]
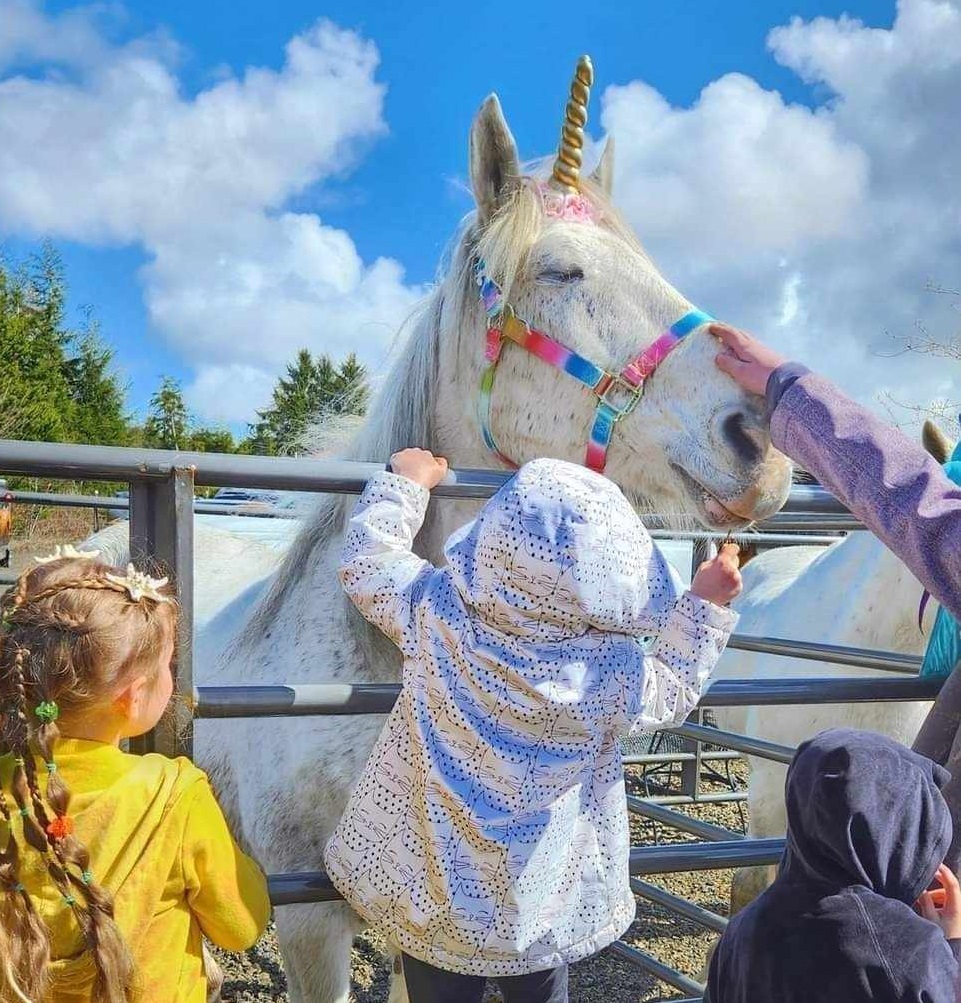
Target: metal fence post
[(162, 540), (702, 550)]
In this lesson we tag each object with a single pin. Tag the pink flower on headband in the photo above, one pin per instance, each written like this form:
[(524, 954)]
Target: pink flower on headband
[(570, 206)]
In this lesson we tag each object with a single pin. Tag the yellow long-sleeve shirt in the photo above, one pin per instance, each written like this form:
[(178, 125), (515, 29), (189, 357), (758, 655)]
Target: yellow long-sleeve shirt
[(159, 843)]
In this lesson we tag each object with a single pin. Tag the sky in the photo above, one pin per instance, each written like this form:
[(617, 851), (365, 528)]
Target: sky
[(231, 182)]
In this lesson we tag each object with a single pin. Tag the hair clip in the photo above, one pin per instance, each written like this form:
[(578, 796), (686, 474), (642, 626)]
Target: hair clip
[(47, 711), (140, 586), (60, 827), (68, 552)]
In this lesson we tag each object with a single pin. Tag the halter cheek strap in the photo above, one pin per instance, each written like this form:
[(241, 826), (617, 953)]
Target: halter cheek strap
[(617, 393)]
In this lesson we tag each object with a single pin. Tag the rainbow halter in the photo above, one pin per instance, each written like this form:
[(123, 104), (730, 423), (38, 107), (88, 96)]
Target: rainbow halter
[(617, 393)]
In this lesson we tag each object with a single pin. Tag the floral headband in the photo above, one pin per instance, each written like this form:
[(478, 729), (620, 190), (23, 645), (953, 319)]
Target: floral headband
[(135, 583)]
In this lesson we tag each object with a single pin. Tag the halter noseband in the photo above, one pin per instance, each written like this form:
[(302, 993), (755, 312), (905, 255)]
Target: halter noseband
[(617, 393)]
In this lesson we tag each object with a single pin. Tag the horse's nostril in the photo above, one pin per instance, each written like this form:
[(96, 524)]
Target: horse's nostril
[(735, 430)]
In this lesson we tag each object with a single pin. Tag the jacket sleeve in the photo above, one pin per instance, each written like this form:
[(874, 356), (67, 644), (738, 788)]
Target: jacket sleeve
[(226, 890), (676, 665), (889, 482), (379, 570), (921, 964)]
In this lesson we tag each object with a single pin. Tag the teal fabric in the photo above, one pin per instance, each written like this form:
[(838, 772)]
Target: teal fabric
[(944, 649)]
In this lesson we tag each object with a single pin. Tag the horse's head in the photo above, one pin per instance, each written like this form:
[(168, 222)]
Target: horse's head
[(569, 267)]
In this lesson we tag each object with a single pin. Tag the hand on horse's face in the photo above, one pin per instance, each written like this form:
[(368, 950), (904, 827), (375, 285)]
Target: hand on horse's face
[(744, 359), (419, 466)]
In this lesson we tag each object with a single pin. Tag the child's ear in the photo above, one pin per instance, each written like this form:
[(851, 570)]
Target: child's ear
[(130, 699)]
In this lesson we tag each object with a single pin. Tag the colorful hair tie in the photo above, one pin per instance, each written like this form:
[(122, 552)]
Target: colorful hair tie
[(51, 767), (20, 761), (70, 900), (47, 711), (60, 827), (24, 812), (86, 877), (18, 887)]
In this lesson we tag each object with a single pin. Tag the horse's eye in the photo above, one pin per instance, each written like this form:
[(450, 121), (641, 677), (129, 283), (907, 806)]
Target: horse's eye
[(560, 276)]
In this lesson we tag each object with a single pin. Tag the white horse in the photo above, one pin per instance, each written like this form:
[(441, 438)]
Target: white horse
[(694, 443), (854, 593)]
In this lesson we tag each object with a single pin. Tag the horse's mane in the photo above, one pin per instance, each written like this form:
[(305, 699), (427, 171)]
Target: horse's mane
[(401, 414)]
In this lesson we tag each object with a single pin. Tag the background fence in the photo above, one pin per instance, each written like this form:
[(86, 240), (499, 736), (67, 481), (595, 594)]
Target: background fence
[(161, 508)]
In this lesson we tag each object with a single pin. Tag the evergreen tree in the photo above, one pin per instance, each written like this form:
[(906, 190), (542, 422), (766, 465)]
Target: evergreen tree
[(212, 440), (99, 398), (311, 389), (35, 398), (167, 421)]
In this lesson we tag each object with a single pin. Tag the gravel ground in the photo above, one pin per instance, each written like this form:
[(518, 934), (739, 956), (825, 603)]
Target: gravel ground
[(257, 976)]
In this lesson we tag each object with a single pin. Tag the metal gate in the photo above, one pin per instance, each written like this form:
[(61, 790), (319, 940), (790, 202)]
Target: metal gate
[(161, 508)]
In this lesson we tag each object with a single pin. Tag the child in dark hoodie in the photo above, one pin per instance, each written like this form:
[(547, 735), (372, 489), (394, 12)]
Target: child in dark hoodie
[(868, 830)]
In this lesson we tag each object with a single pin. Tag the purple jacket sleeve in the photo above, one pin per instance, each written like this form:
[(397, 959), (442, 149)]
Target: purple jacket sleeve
[(888, 481)]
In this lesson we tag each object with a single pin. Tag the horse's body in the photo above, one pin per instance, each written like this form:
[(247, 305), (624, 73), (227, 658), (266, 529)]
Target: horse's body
[(854, 593), (694, 443)]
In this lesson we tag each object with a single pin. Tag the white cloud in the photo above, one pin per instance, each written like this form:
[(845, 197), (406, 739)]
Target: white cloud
[(111, 151), (819, 230)]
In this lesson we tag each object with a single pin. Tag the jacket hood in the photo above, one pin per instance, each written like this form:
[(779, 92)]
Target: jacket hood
[(556, 551), (864, 810)]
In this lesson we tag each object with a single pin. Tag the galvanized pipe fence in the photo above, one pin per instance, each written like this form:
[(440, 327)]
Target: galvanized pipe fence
[(161, 508)]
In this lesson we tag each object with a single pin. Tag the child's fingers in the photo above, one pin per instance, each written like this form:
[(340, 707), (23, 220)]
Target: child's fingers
[(952, 890), (925, 905)]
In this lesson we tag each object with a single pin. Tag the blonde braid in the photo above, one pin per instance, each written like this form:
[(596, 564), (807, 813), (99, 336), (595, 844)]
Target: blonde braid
[(26, 948)]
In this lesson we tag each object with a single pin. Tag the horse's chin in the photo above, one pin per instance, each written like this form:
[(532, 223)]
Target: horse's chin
[(708, 508)]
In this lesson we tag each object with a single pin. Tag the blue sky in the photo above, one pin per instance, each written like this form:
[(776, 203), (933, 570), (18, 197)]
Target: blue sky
[(401, 197)]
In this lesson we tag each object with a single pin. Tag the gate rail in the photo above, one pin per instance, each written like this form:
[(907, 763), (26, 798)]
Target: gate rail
[(162, 505)]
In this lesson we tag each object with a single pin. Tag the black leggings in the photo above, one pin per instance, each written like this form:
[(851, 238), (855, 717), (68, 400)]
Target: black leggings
[(426, 984)]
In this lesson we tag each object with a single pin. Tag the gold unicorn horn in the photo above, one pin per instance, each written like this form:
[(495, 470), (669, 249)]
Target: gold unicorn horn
[(567, 166)]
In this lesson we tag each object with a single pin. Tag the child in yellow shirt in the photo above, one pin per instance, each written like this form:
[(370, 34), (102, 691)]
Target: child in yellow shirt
[(113, 867)]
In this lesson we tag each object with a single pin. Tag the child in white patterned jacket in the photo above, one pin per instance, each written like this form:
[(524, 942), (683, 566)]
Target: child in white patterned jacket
[(488, 835)]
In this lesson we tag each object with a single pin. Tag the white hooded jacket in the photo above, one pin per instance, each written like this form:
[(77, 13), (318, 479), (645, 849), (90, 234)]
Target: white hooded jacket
[(488, 834)]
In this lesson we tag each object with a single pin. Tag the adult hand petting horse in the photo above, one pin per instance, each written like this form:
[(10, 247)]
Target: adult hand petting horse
[(744, 359)]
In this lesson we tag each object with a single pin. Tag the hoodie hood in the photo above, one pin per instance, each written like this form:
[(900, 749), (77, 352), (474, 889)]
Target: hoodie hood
[(559, 550), (864, 810)]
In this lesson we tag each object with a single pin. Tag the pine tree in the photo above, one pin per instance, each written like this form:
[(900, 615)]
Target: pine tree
[(99, 398), (311, 389), (167, 421), (34, 394), (212, 440)]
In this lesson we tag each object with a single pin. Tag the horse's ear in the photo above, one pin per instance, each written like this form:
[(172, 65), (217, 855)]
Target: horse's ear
[(603, 174), (936, 442), (494, 166)]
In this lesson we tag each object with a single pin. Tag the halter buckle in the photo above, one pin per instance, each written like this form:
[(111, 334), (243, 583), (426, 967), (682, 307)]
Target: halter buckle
[(619, 396)]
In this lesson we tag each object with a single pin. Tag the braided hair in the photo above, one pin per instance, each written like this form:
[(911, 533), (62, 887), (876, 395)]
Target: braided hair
[(72, 635)]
